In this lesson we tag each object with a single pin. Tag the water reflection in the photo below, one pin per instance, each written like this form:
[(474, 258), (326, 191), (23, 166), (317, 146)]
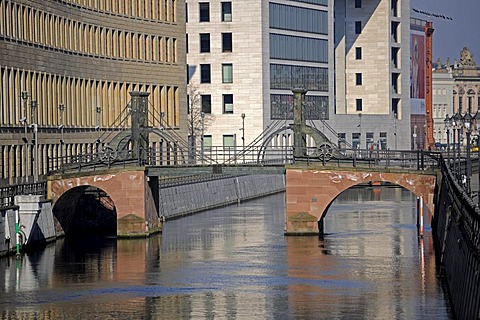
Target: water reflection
[(235, 263)]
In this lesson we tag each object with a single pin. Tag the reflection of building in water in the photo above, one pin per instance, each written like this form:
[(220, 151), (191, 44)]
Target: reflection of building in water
[(367, 249)]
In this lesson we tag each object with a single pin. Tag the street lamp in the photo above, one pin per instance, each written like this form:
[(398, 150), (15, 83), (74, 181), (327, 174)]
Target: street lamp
[(476, 121), (34, 125), (243, 136), (448, 124), (395, 128), (467, 122), (457, 123), (61, 108), (24, 96), (202, 115)]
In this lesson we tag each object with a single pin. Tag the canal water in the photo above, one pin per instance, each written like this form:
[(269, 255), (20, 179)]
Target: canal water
[(235, 263)]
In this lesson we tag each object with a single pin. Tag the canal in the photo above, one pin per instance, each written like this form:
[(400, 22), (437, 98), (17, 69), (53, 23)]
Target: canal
[(235, 263)]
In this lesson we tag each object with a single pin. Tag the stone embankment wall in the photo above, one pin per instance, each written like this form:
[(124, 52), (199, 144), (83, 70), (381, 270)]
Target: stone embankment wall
[(36, 223), (187, 198)]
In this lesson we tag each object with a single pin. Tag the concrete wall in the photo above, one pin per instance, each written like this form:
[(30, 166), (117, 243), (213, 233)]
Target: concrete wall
[(189, 198), (36, 223), (7, 230)]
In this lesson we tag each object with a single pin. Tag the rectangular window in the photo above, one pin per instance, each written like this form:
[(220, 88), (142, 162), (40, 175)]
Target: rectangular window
[(206, 103), (359, 104), (228, 103), (227, 42), (226, 11), (204, 11), (358, 3), (204, 42), (207, 142), (227, 73), (228, 141), (358, 79), (186, 43), (356, 140), (358, 53), (383, 141), (205, 73), (358, 27), (186, 12), (342, 140), (369, 141)]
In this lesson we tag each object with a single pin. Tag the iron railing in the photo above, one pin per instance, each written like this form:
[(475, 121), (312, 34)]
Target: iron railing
[(7, 194)]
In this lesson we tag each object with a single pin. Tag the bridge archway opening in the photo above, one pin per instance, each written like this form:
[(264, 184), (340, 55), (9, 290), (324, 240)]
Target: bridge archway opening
[(372, 195), (86, 209)]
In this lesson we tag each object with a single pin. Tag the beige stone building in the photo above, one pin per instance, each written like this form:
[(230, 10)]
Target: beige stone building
[(69, 66), (456, 89)]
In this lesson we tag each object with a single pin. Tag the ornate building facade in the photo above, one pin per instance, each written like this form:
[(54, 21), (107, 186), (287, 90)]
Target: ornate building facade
[(456, 88), (68, 67)]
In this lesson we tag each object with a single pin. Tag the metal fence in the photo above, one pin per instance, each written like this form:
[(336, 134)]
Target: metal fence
[(7, 194)]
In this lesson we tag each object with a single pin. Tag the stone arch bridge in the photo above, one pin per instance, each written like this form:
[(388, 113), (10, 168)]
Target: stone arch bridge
[(311, 190)]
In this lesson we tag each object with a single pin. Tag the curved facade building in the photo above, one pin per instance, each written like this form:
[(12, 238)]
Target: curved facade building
[(69, 66)]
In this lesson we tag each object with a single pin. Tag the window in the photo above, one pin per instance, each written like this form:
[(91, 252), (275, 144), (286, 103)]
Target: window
[(206, 103), (204, 11), (359, 104), (227, 73), (369, 143), (358, 3), (228, 141), (186, 12), (226, 11), (290, 76), (226, 42), (358, 27), (204, 42), (342, 140), (358, 53), (286, 47), (358, 79), (205, 73), (228, 103), (383, 141), (207, 142), (186, 43), (294, 18), (356, 140)]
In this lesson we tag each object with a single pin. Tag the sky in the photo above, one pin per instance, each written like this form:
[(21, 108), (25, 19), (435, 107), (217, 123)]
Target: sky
[(450, 36)]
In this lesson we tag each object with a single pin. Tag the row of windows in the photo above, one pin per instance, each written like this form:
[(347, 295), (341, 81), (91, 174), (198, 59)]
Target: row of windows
[(370, 142), (163, 10), (227, 42), (206, 73), (298, 19), (204, 11), (86, 101), (470, 103), (286, 47), (281, 107), (35, 26), (206, 103), (290, 76)]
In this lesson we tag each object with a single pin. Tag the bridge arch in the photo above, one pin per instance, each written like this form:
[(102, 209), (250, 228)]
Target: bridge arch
[(79, 204), (310, 192), (132, 193)]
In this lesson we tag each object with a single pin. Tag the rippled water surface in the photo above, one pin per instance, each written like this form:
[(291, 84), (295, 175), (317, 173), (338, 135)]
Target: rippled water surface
[(235, 263)]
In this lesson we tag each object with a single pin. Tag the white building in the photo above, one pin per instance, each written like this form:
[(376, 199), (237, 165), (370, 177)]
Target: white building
[(246, 56)]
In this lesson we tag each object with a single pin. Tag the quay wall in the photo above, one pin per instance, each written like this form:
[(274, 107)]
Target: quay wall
[(184, 199), (36, 223), (456, 230)]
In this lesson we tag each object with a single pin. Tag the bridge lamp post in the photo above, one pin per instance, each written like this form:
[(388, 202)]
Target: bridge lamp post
[(34, 125), (61, 108), (24, 96), (476, 122), (467, 123), (457, 123), (243, 136), (448, 125), (202, 115)]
